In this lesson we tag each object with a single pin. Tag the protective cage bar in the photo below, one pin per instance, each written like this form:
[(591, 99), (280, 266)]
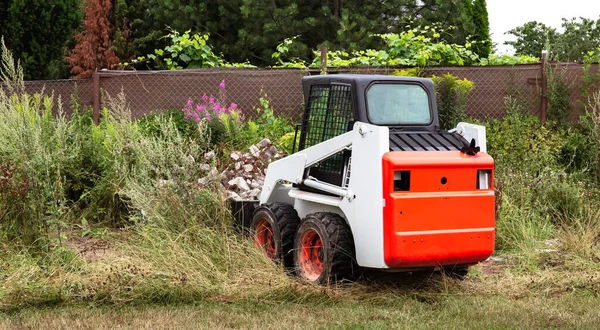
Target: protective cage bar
[(329, 113)]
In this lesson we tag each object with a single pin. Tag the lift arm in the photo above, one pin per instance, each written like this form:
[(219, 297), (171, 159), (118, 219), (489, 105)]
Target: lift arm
[(291, 168)]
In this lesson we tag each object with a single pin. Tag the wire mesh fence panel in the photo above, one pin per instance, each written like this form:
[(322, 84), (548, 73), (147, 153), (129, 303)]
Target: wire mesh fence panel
[(63, 92), (493, 84), (569, 89), (153, 91)]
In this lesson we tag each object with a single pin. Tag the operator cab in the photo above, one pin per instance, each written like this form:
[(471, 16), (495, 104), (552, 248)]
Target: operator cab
[(404, 104)]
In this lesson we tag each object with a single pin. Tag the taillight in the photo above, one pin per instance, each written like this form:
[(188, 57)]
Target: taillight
[(484, 179)]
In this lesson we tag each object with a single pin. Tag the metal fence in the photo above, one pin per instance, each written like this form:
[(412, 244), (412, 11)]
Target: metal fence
[(151, 91)]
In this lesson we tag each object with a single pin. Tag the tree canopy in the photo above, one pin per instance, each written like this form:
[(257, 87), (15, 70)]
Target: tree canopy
[(251, 29), (580, 36), (38, 31)]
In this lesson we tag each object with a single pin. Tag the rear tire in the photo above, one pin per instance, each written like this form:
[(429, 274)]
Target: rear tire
[(273, 227), (324, 249)]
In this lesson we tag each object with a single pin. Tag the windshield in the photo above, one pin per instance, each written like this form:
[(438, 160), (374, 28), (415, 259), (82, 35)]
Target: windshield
[(392, 104)]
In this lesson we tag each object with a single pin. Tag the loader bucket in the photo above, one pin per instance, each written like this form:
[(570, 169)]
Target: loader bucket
[(242, 211)]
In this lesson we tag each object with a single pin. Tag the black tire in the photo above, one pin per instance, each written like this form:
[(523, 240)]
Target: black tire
[(280, 221), (324, 249)]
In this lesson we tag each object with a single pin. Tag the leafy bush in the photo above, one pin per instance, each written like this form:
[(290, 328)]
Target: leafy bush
[(451, 96), (504, 59), (35, 154), (149, 125), (185, 51), (228, 125), (559, 92)]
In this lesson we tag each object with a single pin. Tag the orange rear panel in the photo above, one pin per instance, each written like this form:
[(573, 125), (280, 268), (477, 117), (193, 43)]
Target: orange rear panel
[(443, 219)]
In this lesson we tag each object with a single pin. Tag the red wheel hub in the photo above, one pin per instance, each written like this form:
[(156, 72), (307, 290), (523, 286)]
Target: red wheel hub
[(263, 238), (311, 254)]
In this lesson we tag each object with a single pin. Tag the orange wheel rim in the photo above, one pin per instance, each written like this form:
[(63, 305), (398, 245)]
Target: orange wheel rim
[(263, 238), (311, 254)]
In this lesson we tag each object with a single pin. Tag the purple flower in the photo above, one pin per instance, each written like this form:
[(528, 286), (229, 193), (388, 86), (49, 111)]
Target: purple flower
[(233, 106), (222, 85), (204, 97), (211, 100)]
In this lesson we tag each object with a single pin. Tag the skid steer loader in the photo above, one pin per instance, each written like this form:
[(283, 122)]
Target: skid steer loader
[(375, 184)]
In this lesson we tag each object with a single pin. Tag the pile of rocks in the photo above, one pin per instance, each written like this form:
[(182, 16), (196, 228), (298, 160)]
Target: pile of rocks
[(243, 178)]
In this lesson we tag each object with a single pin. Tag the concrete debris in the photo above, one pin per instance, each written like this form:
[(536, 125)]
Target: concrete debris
[(203, 181), (231, 194), (209, 155), (235, 155), (495, 259), (254, 151), (244, 176), (263, 143), (238, 182)]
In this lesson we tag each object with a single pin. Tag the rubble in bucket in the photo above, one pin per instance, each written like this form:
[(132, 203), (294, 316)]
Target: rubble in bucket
[(245, 175)]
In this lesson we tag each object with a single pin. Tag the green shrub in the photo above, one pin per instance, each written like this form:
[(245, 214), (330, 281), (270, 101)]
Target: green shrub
[(451, 96), (149, 124), (558, 94), (520, 141), (35, 155)]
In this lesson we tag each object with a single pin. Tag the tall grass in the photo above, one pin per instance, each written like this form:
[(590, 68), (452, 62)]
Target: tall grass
[(547, 201), (35, 150), (179, 243)]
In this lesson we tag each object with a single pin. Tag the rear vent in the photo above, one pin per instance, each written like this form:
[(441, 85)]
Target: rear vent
[(402, 181), (426, 141)]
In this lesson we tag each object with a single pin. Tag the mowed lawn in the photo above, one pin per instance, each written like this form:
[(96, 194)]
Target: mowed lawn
[(477, 302), (572, 311)]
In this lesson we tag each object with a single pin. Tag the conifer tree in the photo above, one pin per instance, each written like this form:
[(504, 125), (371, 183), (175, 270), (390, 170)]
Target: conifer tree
[(481, 35), (38, 31), (93, 49)]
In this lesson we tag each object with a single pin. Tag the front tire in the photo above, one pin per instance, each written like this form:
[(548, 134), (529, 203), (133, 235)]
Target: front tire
[(324, 249), (273, 227)]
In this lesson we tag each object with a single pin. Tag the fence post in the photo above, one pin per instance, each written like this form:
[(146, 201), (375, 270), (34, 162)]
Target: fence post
[(96, 97), (544, 98), (323, 60)]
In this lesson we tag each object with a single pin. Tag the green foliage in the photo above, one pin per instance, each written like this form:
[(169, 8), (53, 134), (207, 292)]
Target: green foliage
[(582, 148), (532, 38), (579, 36), (482, 43), (494, 59), (249, 30), (559, 92), (282, 51), (420, 47), (521, 141), (410, 72), (228, 124), (451, 96), (184, 52), (35, 156), (188, 52), (590, 80), (268, 124), (150, 124), (40, 49)]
